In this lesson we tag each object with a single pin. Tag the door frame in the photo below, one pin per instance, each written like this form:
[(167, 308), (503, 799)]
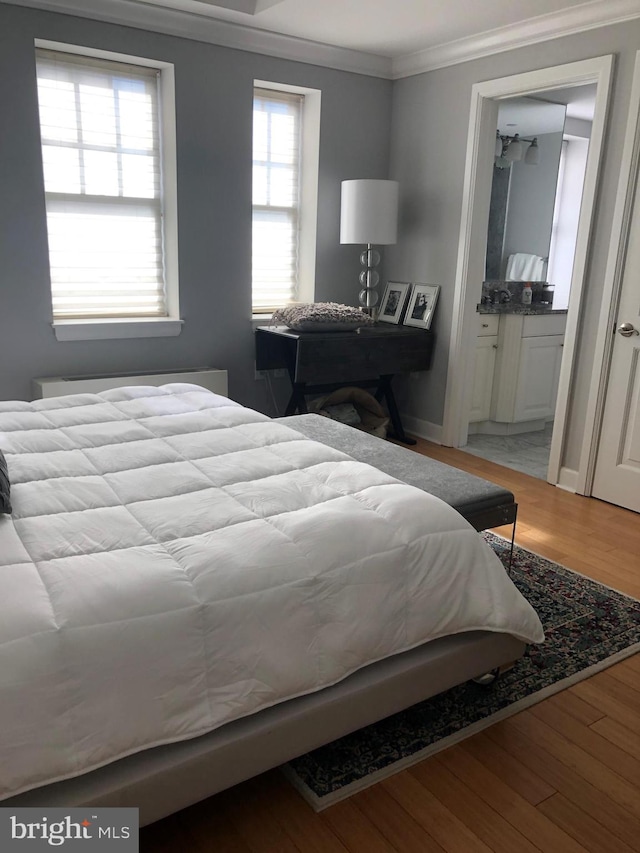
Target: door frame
[(473, 234), (613, 279)]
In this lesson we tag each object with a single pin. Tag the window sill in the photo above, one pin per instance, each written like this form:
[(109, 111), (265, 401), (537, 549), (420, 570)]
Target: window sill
[(96, 330)]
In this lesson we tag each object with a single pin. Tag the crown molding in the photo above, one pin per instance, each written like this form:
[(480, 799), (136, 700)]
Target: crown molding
[(576, 19), (204, 28)]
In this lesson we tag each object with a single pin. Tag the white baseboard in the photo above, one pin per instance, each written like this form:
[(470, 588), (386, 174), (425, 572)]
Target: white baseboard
[(423, 429), (568, 480)]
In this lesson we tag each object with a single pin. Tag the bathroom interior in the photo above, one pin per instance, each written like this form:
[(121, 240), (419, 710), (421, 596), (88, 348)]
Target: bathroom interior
[(538, 176)]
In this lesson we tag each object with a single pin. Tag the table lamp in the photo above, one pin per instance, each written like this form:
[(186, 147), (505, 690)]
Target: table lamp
[(369, 215)]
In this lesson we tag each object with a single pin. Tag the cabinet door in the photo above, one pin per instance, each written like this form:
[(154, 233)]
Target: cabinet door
[(483, 378), (537, 388)]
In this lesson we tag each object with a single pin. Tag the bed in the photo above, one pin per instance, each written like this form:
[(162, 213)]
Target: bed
[(193, 593)]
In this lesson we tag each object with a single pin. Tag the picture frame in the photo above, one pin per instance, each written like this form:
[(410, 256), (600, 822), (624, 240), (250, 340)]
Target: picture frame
[(394, 300), (421, 305)]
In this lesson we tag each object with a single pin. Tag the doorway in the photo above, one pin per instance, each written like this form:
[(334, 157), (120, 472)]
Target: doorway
[(534, 213), (486, 98)]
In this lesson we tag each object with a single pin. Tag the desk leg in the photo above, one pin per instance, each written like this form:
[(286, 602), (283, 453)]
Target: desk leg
[(297, 403), (385, 390)]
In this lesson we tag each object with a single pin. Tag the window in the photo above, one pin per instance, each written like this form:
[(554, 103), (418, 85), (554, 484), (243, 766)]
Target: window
[(102, 159), (285, 177)]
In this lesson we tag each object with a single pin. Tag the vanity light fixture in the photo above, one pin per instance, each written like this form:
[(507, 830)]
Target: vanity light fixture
[(514, 149), (532, 157), (510, 148)]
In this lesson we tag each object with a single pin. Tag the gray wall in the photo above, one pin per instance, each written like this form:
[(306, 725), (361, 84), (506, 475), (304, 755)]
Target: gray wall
[(428, 146), (214, 116)]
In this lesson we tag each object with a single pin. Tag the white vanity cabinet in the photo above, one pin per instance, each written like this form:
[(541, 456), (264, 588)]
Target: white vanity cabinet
[(484, 367), (517, 383), (527, 367)]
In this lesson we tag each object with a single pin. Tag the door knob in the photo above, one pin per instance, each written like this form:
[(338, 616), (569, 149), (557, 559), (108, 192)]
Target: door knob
[(627, 329)]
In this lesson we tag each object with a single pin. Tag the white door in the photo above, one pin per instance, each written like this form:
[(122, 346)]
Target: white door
[(617, 476)]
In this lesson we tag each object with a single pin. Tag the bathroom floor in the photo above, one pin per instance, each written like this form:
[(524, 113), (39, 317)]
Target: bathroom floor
[(527, 452)]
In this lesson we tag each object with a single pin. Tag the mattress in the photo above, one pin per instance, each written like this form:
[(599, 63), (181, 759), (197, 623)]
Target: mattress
[(175, 561)]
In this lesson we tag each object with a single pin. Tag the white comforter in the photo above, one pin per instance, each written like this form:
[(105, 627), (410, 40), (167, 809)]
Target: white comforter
[(175, 561)]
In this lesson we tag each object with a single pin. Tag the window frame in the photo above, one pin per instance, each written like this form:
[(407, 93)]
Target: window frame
[(307, 188), (138, 327)]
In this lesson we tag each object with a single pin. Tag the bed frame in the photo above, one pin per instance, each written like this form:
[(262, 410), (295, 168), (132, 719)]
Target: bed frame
[(166, 779)]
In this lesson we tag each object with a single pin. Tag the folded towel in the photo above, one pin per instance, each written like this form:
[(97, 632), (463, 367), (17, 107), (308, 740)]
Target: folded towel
[(524, 267)]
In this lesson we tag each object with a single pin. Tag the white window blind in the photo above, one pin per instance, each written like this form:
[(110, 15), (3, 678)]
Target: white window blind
[(277, 118), (101, 159)]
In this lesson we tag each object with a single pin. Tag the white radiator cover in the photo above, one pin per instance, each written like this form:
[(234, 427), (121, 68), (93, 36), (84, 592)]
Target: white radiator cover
[(210, 378)]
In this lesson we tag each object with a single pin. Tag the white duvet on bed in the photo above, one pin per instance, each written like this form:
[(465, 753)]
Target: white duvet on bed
[(175, 561)]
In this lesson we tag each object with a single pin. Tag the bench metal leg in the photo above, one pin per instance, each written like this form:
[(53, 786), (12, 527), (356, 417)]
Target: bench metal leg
[(513, 538)]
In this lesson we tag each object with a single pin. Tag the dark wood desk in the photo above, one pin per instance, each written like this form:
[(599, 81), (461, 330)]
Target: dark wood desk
[(318, 362)]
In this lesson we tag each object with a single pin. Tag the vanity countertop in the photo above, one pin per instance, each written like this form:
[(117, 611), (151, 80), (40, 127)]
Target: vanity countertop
[(519, 308)]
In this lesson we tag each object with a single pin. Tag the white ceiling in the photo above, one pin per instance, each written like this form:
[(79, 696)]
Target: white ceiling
[(530, 117), (384, 27), (546, 112), (386, 38)]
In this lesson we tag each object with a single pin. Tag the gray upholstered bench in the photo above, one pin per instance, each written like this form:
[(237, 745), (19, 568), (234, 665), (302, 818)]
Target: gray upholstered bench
[(482, 503)]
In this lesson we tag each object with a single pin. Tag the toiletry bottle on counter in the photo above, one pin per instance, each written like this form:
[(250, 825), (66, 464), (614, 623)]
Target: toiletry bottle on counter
[(526, 294)]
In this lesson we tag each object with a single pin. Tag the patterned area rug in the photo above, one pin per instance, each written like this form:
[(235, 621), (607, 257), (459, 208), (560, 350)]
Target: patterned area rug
[(588, 627)]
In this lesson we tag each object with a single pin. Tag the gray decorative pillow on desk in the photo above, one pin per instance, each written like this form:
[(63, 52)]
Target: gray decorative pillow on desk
[(321, 317)]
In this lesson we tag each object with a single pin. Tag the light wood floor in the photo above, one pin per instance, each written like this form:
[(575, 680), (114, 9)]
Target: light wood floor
[(562, 776)]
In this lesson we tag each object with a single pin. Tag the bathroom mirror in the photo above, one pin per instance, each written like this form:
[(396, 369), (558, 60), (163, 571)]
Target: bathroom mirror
[(525, 177)]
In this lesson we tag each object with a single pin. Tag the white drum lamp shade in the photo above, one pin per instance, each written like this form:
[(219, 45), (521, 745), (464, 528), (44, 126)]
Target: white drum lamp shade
[(369, 212)]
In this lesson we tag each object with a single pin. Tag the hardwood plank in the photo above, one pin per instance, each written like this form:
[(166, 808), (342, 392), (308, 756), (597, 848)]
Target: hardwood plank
[(590, 768), (594, 563), (472, 810), (568, 782), (526, 818), (452, 835), (619, 735), (403, 833), (571, 527), (583, 827), (598, 695), (356, 832), (254, 820), (577, 545), (632, 662), (608, 535), (512, 772), (306, 828), (627, 675), (589, 741), (580, 710)]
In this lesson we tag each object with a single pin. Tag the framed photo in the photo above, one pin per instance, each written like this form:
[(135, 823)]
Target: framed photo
[(393, 301), (422, 305)]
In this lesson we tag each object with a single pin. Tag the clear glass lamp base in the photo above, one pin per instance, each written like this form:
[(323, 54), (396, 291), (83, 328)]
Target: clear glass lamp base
[(369, 278)]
